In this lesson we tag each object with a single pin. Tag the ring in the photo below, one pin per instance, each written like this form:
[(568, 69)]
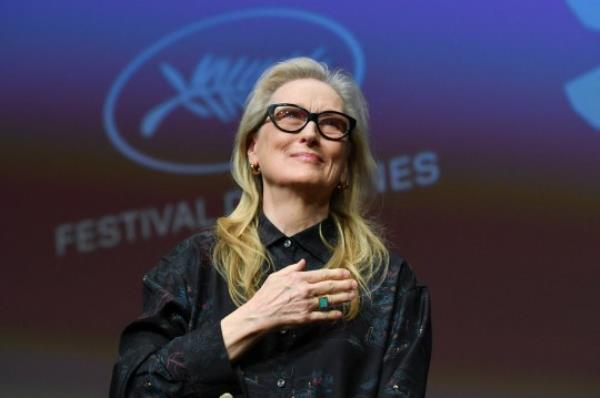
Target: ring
[(323, 303)]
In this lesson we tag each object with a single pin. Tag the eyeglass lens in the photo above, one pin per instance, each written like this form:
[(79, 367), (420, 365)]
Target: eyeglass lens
[(292, 119)]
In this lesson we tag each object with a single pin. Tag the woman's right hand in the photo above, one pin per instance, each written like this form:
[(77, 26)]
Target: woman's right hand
[(291, 296), (288, 297)]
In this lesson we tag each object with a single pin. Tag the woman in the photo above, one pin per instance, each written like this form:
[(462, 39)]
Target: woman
[(294, 294)]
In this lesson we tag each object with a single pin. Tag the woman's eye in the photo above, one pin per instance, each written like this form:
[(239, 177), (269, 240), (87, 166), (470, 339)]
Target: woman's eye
[(336, 123), (289, 114)]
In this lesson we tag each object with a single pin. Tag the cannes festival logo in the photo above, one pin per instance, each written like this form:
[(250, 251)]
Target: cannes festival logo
[(583, 91), (175, 106)]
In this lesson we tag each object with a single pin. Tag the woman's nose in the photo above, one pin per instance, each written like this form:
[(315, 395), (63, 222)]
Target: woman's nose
[(310, 131)]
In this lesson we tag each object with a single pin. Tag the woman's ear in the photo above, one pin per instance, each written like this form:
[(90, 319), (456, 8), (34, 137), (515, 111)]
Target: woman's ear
[(344, 175), (251, 149)]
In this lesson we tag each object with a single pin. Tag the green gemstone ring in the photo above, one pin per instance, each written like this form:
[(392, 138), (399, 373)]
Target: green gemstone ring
[(323, 303)]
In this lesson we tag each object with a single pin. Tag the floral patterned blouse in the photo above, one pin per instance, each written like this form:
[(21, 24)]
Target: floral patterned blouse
[(176, 349)]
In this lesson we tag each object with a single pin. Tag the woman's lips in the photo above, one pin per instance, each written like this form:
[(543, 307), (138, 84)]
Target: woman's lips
[(307, 156)]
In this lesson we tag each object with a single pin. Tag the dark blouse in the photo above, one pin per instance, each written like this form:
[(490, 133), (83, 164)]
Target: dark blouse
[(176, 349)]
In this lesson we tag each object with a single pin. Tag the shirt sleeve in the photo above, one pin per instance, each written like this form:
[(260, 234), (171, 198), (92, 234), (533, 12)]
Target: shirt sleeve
[(162, 353), (408, 351)]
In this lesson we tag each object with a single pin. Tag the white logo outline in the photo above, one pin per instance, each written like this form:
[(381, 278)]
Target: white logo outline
[(204, 169)]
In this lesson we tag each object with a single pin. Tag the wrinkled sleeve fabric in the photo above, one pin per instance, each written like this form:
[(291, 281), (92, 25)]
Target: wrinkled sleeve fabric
[(164, 353), (408, 351)]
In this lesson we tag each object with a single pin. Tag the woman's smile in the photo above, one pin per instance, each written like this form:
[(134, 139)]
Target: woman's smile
[(307, 157)]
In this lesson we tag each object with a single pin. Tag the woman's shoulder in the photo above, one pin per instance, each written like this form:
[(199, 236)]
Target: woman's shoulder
[(187, 257), (200, 243), (399, 282), (400, 272)]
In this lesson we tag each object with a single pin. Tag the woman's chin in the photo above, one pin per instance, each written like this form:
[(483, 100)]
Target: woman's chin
[(306, 182)]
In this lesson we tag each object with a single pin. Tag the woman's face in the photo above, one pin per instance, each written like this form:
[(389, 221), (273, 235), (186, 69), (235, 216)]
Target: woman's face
[(303, 161)]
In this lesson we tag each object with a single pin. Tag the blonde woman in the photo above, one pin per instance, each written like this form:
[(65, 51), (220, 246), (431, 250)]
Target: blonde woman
[(294, 294)]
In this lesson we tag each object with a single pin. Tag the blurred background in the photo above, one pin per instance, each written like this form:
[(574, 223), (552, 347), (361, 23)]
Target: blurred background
[(117, 120)]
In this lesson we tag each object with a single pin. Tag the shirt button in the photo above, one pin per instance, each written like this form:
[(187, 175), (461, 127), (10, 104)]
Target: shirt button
[(226, 395), (287, 243), (280, 383), (283, 331)]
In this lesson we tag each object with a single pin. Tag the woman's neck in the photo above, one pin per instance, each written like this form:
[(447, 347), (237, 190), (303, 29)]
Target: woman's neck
[(292, 213)]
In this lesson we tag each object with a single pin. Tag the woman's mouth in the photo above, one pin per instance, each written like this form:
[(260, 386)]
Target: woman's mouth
[(310, 157)]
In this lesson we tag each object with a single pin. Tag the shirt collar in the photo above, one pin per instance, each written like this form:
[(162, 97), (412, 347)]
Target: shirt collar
[(309, 238)]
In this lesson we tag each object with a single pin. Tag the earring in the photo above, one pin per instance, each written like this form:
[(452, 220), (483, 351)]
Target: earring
[(342, 185), (255, 168)]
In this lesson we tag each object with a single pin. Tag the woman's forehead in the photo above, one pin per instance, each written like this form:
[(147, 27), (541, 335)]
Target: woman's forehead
[(311, 94)]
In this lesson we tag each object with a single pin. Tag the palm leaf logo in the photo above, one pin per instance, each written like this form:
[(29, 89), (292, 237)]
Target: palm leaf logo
[(218, 88)]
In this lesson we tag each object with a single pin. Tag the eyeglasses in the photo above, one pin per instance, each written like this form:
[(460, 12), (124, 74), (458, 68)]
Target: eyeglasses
[(291, 118)]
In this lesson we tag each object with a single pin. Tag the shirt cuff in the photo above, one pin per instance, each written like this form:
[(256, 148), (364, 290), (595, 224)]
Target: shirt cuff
[(199, 356)]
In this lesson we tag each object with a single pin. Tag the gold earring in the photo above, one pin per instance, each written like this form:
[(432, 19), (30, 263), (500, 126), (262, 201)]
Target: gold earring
[(342, 185), (255, 168)]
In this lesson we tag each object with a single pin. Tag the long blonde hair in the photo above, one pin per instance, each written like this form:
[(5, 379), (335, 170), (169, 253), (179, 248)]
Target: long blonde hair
[(238, 253)]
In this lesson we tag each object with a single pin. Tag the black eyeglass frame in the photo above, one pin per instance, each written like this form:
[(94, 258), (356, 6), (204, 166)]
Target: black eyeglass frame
[(314, 117)]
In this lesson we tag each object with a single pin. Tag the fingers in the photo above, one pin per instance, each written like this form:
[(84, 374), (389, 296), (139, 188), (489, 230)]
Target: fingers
[(315, 316), (337, 298), (320, 282), (324, 315), (325, 274), (313, 313), (316, 275), (332, 286), (297, 292), (299, 266)]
